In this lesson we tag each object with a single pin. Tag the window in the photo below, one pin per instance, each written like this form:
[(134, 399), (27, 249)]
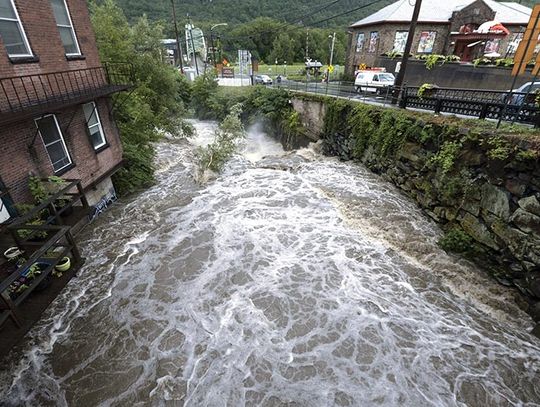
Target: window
[(400, 41), (94, 125), (65, 26), (360, 42), (373, 42), (54, 142), (12, 32), (427, 42)]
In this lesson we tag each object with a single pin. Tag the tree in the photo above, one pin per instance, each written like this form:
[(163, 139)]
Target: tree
[(156, 102), (284, 48)]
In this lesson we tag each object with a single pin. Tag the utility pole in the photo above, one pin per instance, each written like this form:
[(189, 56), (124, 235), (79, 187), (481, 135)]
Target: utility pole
[(192, 44), (401, 74), (178, 45), (212, 41), (307, 44), (332, 50)]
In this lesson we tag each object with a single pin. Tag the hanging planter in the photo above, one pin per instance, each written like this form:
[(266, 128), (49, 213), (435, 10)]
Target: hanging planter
[(12, 253), (63, 265)]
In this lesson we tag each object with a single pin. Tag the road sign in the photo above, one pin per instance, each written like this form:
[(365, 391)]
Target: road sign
[(331, 68), (527, 46)]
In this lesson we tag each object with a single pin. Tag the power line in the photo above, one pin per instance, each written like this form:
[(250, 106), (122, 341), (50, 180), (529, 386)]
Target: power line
[(288, 27)]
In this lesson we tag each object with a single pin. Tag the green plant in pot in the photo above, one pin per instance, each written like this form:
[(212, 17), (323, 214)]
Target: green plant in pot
[(427, 90)]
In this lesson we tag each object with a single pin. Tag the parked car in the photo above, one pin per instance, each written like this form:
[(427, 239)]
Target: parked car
[(373, 81), (262, 80), (517, 99)]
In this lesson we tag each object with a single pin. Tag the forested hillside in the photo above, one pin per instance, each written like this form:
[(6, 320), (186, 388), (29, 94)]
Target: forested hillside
[(241, 11)]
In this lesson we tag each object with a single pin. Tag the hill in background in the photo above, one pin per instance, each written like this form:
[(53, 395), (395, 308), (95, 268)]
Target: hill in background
[(242, 11)]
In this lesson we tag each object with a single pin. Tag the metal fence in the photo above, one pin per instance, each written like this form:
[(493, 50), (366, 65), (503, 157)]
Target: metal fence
[(484, 104), (21, 95)]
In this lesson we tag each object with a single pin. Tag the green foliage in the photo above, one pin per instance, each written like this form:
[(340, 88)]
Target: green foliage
[(432, 60), (228, 137), (157, 102), (425, 87), (37, 189), (499, 148), (456, 240), (203, 96), (248, 10), (446, 156)]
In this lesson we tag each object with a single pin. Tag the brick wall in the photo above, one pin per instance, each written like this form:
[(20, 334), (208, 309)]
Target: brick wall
[(17, 159), (39, 24)]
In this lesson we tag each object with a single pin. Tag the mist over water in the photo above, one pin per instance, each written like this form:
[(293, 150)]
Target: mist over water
[(291, 280)]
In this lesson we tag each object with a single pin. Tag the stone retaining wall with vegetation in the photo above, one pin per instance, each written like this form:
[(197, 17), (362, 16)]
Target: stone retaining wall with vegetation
[(480, 184)]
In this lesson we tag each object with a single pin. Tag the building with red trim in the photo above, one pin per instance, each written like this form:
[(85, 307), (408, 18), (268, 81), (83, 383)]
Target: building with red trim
[(449, 27)]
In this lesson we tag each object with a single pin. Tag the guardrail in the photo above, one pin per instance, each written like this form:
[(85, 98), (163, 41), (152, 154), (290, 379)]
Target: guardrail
[(31, 94)]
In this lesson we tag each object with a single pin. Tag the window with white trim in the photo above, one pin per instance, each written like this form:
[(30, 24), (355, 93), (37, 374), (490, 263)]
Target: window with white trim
[(54, 142), (65, 26), (12, 31), (95, 130)]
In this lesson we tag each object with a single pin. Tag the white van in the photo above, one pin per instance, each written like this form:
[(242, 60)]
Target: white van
[(373, 81)]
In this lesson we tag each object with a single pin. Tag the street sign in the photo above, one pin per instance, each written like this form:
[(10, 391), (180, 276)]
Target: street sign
[(527, 46), (227, 72), (331, 68)]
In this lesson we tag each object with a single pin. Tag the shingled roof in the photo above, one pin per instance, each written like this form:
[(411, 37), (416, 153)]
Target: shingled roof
[(441, 11)]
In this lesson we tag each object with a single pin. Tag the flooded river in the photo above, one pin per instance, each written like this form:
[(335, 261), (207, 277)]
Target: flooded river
[(291, 280)]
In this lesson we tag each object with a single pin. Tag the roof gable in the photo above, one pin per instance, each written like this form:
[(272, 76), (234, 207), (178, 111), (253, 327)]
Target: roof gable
[(441, 11)]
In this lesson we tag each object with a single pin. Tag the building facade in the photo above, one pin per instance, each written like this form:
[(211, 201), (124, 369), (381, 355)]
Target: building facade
[(452, 27), (55, 107)]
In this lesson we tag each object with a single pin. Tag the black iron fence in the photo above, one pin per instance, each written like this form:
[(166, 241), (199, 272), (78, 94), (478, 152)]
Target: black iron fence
[(27, 95), (484, 104)]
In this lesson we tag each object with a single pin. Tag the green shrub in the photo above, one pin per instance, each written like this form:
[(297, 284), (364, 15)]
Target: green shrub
[(456, 240)]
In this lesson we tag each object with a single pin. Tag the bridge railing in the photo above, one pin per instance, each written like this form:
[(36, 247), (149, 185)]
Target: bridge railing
[(515, 107)]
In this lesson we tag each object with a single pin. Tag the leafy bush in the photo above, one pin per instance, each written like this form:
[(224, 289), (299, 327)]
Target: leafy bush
[(456, 240), (157, 102), (228, 137)]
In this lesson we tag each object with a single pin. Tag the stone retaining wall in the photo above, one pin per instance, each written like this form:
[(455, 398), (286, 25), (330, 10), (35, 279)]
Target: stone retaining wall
[(497, 176)]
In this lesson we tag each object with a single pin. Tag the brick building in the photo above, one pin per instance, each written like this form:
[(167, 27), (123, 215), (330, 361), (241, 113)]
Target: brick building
[(55, 107), (449, 27)]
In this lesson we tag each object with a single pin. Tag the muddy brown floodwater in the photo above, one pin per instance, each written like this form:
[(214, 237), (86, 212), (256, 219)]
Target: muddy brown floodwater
[(291, 280)]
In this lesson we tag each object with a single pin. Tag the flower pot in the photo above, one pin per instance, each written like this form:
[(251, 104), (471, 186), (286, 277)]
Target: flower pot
[(12, 253), (64, 264)]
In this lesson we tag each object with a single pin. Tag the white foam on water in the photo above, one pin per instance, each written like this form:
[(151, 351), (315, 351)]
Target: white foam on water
[(287, 281)]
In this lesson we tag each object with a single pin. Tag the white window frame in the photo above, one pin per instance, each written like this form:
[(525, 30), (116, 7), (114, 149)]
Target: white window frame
[(98, 124), (21, 29), (61, 140), (70, 26)]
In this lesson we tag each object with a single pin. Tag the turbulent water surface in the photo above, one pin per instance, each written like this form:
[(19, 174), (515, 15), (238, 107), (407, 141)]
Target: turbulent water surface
[(292, 279)]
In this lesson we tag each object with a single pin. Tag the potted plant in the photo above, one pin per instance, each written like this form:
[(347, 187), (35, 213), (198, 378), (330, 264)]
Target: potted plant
[(427, 90), (13, 253), (63, 265)]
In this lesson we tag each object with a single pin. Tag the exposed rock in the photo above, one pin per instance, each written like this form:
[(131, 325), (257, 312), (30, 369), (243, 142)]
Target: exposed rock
[(471, 206), (530, 204), (515, 187), (534, 311), (477, 230), (495, 200), (533, 282), (536, 331), (411, 152), (526, 221), (514, 239)]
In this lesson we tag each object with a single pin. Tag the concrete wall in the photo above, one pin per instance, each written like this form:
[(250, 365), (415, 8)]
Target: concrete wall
[(456, 75)]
